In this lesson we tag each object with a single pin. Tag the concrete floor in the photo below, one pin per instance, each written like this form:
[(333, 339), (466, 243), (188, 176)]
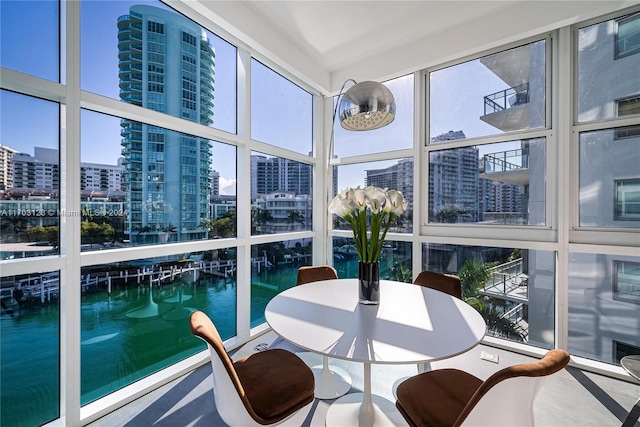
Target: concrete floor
[(569, 398)]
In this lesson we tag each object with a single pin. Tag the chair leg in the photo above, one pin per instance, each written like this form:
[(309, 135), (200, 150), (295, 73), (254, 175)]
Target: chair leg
[(634, 415)]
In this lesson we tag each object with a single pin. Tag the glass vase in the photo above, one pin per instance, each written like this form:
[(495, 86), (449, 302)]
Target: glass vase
[(369, 282)]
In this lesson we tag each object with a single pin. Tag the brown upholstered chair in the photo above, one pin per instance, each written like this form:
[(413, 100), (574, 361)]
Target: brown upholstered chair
[(325, 387), (315, 273), (260, 389), (451, 397), (447, 283)]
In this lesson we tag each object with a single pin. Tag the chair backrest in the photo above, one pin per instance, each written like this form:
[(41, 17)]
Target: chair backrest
[(447, 283), (512, 390), (315, 273), (229, 395)]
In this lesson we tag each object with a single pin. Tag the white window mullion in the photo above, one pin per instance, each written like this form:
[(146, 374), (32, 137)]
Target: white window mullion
[(243, 278), (70, 297), (561, 144)]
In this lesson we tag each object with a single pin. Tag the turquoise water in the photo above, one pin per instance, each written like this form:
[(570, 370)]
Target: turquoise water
[(120, 342)]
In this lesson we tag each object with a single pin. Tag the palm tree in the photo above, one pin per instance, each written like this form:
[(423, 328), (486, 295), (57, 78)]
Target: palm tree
[(293, 217), (473, 276), (144, 230), (170, 230), (260, 217)]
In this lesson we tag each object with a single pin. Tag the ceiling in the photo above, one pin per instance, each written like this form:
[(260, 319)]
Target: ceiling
[(338, 34), (324, 43)]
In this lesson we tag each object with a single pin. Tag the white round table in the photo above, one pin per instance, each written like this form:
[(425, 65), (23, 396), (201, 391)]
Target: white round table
[(412, 324)]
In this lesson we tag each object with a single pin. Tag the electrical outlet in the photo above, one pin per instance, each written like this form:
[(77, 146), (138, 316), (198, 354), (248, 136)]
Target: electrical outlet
[(490, 357)]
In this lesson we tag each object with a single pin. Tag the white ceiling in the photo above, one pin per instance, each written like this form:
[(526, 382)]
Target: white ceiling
[(325, 42), (338, 34)]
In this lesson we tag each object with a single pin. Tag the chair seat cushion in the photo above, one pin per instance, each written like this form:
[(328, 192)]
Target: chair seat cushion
[(436, 398), (276, 383)]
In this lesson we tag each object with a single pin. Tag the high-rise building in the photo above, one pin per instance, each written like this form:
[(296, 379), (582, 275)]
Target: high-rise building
[(39, 171), (453, 182), (395, 177), (215, 183), (166, 64), (6, 169), (276, 174)]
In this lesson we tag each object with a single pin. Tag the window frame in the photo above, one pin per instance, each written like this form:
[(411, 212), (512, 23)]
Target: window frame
[(618, 54)]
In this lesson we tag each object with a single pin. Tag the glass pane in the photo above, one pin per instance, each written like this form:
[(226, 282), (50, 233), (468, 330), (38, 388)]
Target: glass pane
[(274, 268), (135, 315), (513, 289), (30, 349), (29, 176), (390, 174), (144, 53), (607, 156), (501, 183), (281, 112), (33, 48), (395, 260), (281, 191), (597, 63), (396, 136), (604, 311), (497, 93), (160, 186)]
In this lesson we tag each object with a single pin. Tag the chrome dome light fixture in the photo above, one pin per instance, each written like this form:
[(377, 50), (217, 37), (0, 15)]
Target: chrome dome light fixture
[(365, 106)]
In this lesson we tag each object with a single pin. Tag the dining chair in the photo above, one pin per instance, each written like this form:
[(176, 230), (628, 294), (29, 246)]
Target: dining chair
[(447, 283), (264, 388), (324, 389), (452, 397)]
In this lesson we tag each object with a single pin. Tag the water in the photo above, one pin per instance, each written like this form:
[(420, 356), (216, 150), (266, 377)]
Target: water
[(121, 342)]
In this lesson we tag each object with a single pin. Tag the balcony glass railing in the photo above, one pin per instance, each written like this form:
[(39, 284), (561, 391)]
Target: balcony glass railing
[(507, 98)]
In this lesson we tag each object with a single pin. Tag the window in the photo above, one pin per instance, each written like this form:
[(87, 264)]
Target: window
[(603, 303), (596, 52), (626, 284), (489, 184), (608, 176), (281, 111), (497, 93), (34, 48), (627, 199), (31, 176), (281, 195), (513, 288), (626, 107), (628, 36), (29, 336), (149, 30)]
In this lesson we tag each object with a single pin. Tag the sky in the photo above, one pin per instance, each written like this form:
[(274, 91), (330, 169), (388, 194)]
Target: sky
[(281, 111)]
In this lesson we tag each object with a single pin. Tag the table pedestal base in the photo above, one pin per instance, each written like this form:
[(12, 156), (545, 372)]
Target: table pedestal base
[(350, 410), (331, 381)]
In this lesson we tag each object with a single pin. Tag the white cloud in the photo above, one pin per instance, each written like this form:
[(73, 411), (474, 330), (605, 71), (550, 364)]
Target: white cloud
[(227, 186)]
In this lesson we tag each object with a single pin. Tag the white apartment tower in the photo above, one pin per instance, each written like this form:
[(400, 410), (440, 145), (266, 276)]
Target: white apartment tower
[(6, 169), (166, 64)]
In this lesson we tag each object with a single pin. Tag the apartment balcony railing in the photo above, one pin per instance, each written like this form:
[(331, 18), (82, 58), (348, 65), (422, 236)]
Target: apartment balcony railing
[(507, 98), (504, 161), (507, 281)]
